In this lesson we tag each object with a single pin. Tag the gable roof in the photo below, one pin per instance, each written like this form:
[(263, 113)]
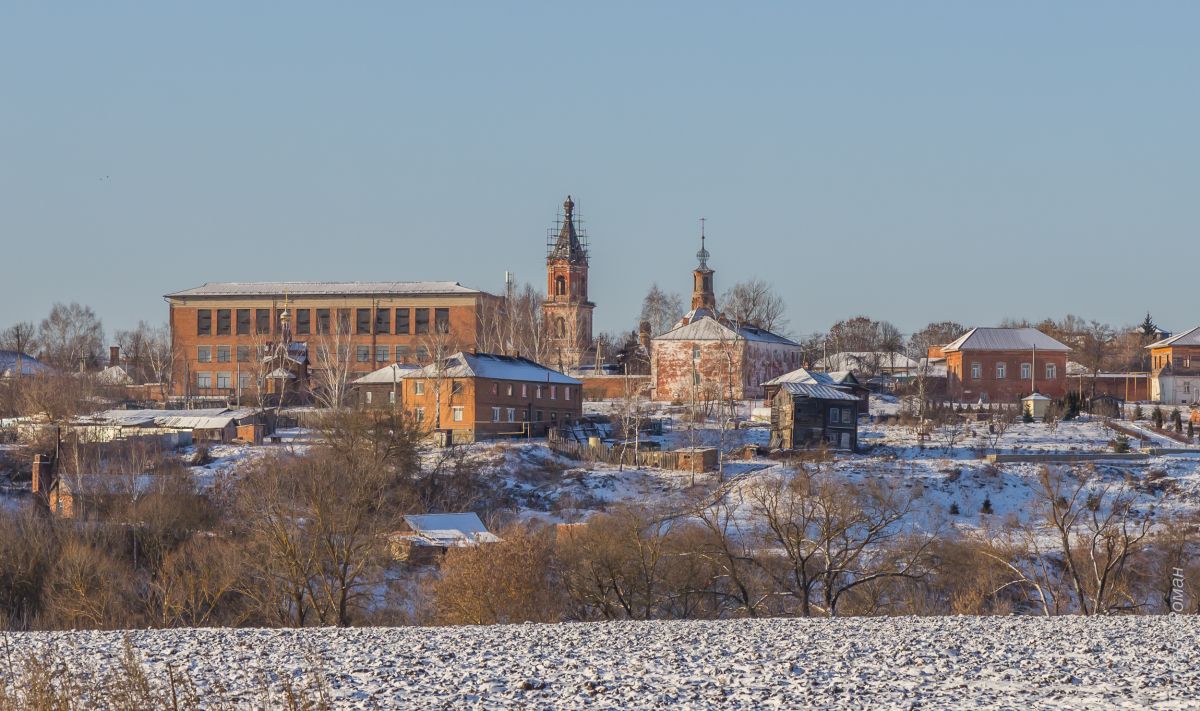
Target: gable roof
[(818, 392), (1004, 339), (386, 375), (1190, 337), (494, 366), (324, 288), (804, 375), (847, 360), (707, 328)]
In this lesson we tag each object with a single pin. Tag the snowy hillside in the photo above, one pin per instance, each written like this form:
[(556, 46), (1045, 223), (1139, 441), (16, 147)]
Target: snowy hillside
[(886, 663)]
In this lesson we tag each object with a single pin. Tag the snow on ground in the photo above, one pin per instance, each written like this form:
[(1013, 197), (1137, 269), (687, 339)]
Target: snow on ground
[(846, 663)]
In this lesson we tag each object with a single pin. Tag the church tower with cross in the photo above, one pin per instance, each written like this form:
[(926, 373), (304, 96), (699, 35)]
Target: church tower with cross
[(567, 310)]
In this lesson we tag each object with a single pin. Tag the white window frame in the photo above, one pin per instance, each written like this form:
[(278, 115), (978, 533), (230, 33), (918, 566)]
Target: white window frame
[(1051, 371), (524, 390), (419, 387), (456, 413), (225, 377), (369, 394), (512, 414), (1026, 371), (847, 417), (203, 354), (392, 397), (1001, 371), (567, 392), (553, 392), (976, 371), (495, 414), (204, 380)]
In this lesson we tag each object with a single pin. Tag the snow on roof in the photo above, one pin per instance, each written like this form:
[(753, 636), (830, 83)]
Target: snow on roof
[(281, 373), (494, 366), (804, 375), (1190, 337), (450, 530), (29, 364), (1004, 339), (114, 375), (707, 328), (324, 288), (848, 360), (819, 392), (1035, 396), (386, 374), (200, 419)]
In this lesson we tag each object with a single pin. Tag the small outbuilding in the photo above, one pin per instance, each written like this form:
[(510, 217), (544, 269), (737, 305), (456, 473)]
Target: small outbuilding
[(1035, 405), (424, 538)]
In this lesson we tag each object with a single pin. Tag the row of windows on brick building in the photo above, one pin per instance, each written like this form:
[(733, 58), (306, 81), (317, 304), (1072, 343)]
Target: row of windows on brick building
[(362, 353), (457, 414), (408, 321), (509, 390), (1002, 371)]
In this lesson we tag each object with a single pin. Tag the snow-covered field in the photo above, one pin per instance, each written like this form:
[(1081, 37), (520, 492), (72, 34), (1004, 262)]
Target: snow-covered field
[(878, 663)]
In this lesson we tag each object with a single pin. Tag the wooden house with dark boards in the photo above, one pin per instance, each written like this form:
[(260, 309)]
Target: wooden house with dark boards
[(809, 414)]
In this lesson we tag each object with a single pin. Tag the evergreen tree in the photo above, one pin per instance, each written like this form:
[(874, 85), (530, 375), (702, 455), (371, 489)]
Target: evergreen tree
[(1177, 420), (1148, 327), (1137, 412), (1157, 417), (954, 508), (987, 506)]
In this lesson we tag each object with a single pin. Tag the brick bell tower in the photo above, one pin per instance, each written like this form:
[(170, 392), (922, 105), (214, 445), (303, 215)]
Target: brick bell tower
[(567, 311)]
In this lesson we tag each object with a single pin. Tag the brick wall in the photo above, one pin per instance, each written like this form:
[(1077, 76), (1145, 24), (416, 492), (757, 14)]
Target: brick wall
[(964, 385), (751, 363)]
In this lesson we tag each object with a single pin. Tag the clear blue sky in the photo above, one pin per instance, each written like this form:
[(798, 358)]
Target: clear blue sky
[(911, 161)]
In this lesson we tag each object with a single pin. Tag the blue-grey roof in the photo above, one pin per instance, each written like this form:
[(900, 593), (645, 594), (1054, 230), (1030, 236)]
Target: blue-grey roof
[(29, 364), (819, 392)]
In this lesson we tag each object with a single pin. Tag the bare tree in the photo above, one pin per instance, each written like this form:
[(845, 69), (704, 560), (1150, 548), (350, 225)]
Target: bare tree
[(21, 338), (661, 310), (755, 302), (1097, 530), (71, 337)]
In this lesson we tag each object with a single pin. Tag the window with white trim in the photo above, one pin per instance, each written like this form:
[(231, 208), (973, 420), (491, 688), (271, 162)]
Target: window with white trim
[(204, 380), (1051, 371), (512, 414), (456, 413), (495, 414), (976, 371), (1026, 371), (1001, 371)]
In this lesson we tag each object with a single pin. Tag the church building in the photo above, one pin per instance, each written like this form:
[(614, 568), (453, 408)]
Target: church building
[(707, 357)]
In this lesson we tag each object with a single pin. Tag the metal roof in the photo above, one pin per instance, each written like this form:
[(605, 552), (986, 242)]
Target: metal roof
[(325, 288), (1187, 338), (804, 375), (819, 392), (707, 328), (1004, 339), (492, 365), (386, 374)]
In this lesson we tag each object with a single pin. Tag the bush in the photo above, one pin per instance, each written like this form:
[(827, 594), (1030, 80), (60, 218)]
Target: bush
[(987, 507), (1137, 412), (1157, 417)]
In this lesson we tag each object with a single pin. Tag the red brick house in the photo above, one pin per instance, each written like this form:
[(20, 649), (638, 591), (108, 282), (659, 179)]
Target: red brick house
[(1004, 365), (472, 396)]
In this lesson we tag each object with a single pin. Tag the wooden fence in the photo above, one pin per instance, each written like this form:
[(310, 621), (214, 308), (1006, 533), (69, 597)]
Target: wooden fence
[(618, 455)]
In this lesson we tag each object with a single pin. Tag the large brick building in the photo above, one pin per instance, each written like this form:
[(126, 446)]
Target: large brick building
[(709, 357), (1175, 368), (230, 339), (1004, 365), (474, 396)]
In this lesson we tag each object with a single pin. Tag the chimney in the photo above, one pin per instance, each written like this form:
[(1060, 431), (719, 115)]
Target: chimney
[(644, 335), (114, 355)]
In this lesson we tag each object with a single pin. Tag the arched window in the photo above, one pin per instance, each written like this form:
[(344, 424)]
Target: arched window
[(560, 327), (560, 286)]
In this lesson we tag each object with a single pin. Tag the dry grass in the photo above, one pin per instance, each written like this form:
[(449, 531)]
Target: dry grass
[(46, 680)]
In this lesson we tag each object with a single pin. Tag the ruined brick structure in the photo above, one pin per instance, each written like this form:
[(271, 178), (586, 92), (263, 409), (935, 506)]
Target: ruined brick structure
[(567, 310), (707, 357)]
